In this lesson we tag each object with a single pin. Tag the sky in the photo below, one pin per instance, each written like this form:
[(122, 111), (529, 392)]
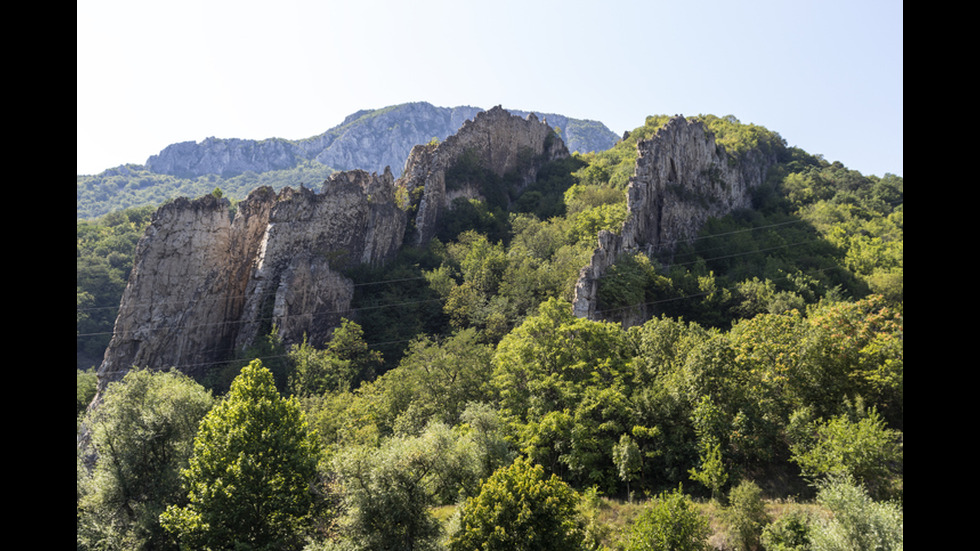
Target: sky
[(826, 75)]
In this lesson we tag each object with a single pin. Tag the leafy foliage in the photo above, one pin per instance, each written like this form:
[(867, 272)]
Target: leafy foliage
[(249, 478), (141, 437), (389, 488), (520, 507), (344, 364), (862, 448), (746, 515), (858, 523), (669, 523), (789, 532), (104, 251)]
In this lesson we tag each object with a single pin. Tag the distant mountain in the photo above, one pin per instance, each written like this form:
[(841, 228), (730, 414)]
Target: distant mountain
[(368, 139)]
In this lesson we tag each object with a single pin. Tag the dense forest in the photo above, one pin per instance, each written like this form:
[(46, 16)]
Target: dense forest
[(744, 392)]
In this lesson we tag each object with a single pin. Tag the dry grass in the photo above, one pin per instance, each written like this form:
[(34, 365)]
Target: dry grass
[(616, 516)]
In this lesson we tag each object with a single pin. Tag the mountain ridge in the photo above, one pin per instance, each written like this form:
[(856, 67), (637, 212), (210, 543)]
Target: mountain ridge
[(368, 139)]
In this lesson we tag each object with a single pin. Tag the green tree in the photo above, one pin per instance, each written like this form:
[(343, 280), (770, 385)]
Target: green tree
[(86, 382), (483, 426), (389, 489), (669, 523), (440, 376), (857, 349), (860, 446), (789, 532), (600, 418), (249, 479), (546, 363), (629, 462), (520, 508), (344, 364), (142, 435), (712, 472)]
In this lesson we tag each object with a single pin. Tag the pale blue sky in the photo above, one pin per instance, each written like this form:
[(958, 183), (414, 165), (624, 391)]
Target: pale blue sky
[(827, 75)]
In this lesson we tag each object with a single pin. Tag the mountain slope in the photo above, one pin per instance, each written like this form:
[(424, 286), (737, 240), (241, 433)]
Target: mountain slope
[(368, 140)]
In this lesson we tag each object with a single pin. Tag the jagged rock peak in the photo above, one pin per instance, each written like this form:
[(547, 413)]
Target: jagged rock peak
[(495, 140), (681, 179)]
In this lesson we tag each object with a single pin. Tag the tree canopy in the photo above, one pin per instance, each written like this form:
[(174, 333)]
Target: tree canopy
[(250, 476)]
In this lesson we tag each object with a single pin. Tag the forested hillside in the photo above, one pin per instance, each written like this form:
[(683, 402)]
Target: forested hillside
[(768, 367)]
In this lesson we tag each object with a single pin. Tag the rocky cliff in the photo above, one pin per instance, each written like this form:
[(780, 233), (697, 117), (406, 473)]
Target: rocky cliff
[(226, 157), (494, 141), (206, 284), (682, 178), (188, 282)]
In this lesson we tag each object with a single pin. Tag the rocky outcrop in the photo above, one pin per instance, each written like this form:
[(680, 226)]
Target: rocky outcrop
[(310, 239), (205, 283), (226, 157), (187, 285), (682, 178), (494, 141)]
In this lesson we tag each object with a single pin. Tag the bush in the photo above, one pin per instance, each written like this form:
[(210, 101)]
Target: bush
[(519, 508), (865, 449), (858, 522), (790, 532), (670, 524), (746, 514), (142, 435)]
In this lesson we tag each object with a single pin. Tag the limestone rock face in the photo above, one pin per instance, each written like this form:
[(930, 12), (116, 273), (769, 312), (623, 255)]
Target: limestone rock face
[(187, 285), (225, 157), (682, 178), (495, 140), (205, 284), (310, 237)]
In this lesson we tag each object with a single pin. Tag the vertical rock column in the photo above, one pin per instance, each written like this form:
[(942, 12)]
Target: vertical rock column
[(185, 293), (682, 178)]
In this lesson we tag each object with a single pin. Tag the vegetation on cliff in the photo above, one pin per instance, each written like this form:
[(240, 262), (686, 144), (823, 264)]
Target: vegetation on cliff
[(770, 366)]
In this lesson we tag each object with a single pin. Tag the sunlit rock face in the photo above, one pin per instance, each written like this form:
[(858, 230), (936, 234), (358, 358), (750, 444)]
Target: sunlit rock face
[(495, 140), (206, 284), (682, 178)]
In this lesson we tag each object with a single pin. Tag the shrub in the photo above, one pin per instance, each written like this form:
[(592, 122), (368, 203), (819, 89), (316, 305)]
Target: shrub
[(790, 532), (518, 508), (858, 522), (672, 523), (746, 514)]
